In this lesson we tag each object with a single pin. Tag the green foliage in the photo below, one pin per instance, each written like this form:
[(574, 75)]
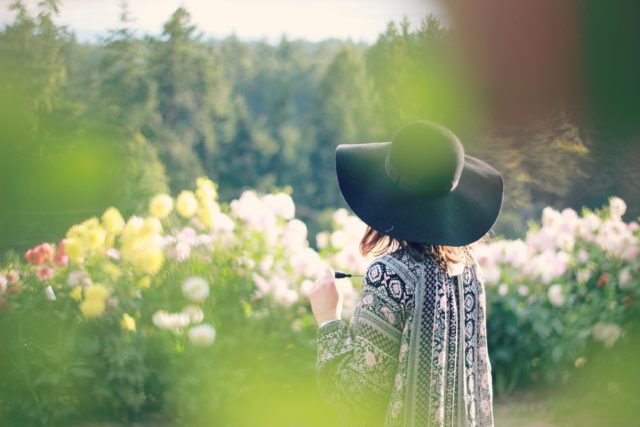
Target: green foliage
[(90, 125), (67, 152), (126, 95), (258, 115), (544, 327), (191, 98), (32, 64), (61, 368)]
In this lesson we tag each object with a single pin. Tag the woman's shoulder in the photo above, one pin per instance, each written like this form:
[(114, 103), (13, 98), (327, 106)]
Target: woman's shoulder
[(398, 263), (389, 280), (413, 262)]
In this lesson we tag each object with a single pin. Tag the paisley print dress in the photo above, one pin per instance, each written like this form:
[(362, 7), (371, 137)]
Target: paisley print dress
[(415, 351)]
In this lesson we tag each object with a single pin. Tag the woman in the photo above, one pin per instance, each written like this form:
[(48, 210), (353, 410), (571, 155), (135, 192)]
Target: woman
[(415, 351)]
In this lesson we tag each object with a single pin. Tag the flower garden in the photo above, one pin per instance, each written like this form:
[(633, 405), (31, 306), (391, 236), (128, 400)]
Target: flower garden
[(196, 313)]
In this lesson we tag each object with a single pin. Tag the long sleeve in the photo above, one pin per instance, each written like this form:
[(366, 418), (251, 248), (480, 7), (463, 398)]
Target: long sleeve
[(357, 363)]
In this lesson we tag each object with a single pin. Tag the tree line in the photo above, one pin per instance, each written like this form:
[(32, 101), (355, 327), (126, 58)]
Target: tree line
[(113, 121)]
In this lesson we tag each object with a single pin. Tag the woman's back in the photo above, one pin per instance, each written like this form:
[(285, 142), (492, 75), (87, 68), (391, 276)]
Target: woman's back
[(401, 359)]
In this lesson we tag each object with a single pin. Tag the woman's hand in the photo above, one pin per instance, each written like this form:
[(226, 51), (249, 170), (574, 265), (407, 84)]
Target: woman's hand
[(326, 298)]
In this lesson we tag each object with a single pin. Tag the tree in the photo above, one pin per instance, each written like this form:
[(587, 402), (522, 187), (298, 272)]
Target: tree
[(191, 97), (345, 115), (59, 162), (126, 93), (246, 155), (32, 65)]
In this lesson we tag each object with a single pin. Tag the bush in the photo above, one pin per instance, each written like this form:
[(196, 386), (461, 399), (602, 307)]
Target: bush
[(570, 285), (197, 313)]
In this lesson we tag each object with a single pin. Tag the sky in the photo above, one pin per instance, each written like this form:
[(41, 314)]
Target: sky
[(358, 20)]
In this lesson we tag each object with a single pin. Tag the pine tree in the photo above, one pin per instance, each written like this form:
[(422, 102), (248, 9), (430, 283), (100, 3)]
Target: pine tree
[(345, 115), (126, 94), (191, 97)]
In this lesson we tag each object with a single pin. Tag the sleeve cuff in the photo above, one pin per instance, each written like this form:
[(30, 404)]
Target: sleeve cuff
[(326, 322), (333, 340)]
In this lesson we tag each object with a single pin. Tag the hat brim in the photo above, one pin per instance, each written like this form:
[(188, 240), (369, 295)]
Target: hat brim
[(457, 218)]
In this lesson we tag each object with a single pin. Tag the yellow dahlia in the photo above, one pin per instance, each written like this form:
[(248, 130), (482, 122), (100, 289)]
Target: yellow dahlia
[(161, 205), (186, 204)]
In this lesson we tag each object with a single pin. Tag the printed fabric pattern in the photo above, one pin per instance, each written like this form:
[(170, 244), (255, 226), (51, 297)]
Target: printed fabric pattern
[(415, 351)]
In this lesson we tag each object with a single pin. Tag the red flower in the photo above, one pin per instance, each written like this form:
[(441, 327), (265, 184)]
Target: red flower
[(47, 250), (34, 256), (60, 259), (45, 273), (41, 253), (603, 279)]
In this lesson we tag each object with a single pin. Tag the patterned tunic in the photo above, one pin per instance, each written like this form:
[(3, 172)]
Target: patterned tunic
[(402, 361)]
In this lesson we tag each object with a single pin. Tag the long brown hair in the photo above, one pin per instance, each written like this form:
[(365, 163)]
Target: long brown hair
[(377, 243)]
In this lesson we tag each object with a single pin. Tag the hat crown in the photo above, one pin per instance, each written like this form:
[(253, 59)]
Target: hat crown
[(425, 158)]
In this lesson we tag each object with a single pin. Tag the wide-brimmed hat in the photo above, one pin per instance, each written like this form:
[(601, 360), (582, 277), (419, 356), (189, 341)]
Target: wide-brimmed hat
[(421, 186)]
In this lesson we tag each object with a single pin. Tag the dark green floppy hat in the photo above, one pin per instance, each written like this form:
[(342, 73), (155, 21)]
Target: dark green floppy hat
[(420, 186)]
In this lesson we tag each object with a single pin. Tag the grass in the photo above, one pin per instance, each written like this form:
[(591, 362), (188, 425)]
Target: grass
[(584, 405), (527, 408)]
